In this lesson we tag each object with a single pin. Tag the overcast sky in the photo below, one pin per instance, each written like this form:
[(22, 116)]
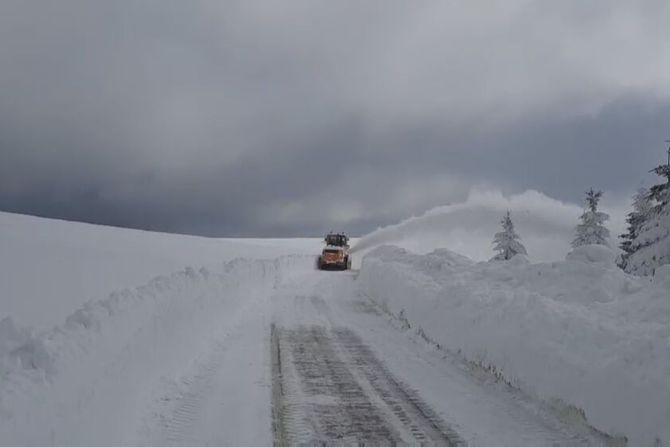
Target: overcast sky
[(288, 118)]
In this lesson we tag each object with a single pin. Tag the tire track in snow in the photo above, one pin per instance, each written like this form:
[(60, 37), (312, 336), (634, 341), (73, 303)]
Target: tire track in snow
[(178, 428), (289, 425), (330, 387), (322, 400), (405, 403), (278, 415)]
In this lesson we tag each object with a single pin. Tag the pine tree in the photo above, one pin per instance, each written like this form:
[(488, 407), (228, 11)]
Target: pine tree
[(642, 207), (507, 242), (592, 230), (651, 246)]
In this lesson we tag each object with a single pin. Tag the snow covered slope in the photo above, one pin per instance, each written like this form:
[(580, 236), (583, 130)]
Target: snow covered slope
[(579, 331), (95, 352), (546, 226), (92, 317), (89, 380), (48, 267)]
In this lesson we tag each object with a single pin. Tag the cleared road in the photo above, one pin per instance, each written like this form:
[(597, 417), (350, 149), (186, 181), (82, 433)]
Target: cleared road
[(328, 385), (315, 362)]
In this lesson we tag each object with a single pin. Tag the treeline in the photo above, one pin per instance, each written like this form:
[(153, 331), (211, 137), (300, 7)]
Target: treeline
[(645, 245)]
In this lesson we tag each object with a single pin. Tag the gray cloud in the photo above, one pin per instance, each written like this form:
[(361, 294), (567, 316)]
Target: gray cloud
[(266, 118)]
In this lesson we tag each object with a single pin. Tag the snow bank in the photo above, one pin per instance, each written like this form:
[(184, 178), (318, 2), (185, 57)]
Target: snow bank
[(50, 267), (546, 226), (580, 331), (84, 382)]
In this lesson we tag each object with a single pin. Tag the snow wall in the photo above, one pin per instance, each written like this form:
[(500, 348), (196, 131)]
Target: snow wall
[(577, 333), (78, 383)]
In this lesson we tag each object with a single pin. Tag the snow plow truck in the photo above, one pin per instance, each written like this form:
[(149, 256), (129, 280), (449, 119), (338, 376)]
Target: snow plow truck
[(335, 255)]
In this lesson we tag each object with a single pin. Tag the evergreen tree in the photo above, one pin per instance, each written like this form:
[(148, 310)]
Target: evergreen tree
[(507, 242), (651, 246), (642, 207), (592, 230)]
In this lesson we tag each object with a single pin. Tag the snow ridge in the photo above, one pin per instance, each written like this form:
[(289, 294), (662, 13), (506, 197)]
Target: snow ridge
[(579, 331), (81, 381)]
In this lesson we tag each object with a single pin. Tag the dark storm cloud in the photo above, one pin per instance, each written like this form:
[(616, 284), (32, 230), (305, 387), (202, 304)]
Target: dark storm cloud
[(558, 154), (268, 118)]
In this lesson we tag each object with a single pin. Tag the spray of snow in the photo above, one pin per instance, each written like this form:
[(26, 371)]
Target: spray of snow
[(545, 225)]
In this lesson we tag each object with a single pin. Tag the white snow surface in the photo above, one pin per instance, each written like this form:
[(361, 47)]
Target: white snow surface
[(579, 332), (95, 352), (88, 381), (50, 267), (87, 337)]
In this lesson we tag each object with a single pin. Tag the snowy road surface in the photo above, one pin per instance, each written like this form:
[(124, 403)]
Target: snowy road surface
[(330, 386), (315, 362)]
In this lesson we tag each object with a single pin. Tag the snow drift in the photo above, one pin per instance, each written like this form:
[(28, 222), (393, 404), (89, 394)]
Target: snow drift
[(50, 267), (87, 380), (546, 226), (579, 331)]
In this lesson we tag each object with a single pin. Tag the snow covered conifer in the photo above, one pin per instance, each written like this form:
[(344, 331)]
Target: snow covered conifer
[(651, 246), (592, 230), (507, 242), (642, 207)]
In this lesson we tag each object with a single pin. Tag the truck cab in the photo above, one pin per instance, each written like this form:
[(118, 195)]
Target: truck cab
[(335, 255)]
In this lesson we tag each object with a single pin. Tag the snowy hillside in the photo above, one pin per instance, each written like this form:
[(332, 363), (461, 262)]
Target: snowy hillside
[(580, 331), (50, 267), (114, 337), (94, 321), (546, 226)]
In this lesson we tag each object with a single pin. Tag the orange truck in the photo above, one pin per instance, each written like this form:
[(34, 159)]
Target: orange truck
[(335, 254)]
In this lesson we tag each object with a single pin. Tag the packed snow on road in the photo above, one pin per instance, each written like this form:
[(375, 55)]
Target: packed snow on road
[(113, 337)]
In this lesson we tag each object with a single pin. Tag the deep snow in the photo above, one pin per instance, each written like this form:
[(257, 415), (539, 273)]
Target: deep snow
[(92, 379), (93, 319), (579, 331), (48, 267), (93, 358), (481, 410)]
